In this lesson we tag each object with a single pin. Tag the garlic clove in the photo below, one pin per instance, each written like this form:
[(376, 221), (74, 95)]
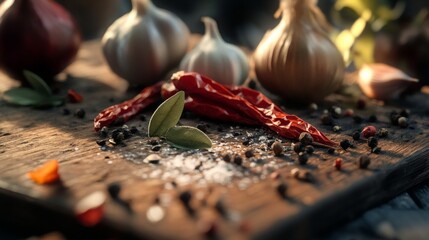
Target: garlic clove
[(383, 82), (143, 45), (215, 58)]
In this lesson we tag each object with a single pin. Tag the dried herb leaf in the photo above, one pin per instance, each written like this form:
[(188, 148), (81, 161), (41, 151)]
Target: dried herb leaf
[(167, 115), (30, 97), (188, 138), (37, 83)]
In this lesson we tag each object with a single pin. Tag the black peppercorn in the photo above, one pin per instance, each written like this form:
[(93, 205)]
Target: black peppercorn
[(104, 132), (297, 147), (101, 143), (80, 113), (305, 138), (326, 119), (302, 158), (357, 119), (281, 189), (331, 150), (309, 149), (404, 113), (249, 153), (238, 160), (364, 161), (185, 197), (345, 144), (142, 118), (277, 148), (356, 135), (227, 157), (202, 127), (156, 148), (394, 116), (372, 142), (114, 189), (372, 118), (134, 130), (246, 142)]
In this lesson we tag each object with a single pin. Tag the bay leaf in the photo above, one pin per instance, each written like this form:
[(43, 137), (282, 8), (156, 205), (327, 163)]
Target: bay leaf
[(37, 83), (188, 138), (167, 115), (23, 97)]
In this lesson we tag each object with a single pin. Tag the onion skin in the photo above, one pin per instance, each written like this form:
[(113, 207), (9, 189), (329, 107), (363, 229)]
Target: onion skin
[(36, 35)]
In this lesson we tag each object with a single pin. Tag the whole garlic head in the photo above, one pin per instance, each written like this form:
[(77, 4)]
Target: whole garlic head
[(143, 45), (213, 57), (297, 60)]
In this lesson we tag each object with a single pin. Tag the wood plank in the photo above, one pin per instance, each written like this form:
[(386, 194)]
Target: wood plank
[(254, 209), (420, 194)]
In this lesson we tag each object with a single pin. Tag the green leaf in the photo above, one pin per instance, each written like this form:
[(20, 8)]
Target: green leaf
[(23, 97), (37, 83), (30, 97), (188, 138), (167, 115)]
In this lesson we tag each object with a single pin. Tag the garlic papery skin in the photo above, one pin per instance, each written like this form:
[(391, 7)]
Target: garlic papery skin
[(143, 45), (383, 82), (297, 60), (213, 57)]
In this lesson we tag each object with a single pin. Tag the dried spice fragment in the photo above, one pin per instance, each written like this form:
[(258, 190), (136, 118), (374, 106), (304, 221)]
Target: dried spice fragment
[(45, 174)]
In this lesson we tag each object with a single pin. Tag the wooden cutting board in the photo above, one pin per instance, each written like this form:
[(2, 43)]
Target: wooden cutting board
[(229, 201)]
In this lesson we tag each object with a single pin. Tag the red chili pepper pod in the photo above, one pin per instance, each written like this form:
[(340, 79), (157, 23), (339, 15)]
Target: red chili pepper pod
[(130, 108), (249, 103)]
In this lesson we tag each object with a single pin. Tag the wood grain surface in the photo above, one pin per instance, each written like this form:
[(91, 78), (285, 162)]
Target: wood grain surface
[(252, 207)]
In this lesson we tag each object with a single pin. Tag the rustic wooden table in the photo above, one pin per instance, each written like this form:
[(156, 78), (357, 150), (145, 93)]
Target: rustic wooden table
[(228, 201)]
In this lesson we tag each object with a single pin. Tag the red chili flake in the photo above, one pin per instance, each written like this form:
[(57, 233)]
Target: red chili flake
[(338, 163), (45, 174), (369, 131), (90, 209), (74, 97)]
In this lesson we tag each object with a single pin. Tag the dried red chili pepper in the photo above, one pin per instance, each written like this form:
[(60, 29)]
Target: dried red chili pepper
[(74, 96), (207, 108), (128, 109), (249, 103)]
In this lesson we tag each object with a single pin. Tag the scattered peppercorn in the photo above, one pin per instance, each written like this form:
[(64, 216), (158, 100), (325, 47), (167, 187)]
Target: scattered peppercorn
[(372, 142), (252, 84), (376, 150), (277, 148), (305, 138), (336, 128), (246, 142), (302, 158), (80, 113), (101, 143), (345, 144), (114, 189), (104, 132), (356, 135), (331, 150), (404, 113), (338, 163), (156, 148), (220, 207), (281, 189), (394, 116), (383, 133), (227, 157), (238, 160), (369, 131), (403, 122), (313, 107), (249, 153), (348, 112), (364, 161), (153, 142), (335, 111), (142, 118), (134, 130), (309, 149), (326, 119), (185, 197), (297, 147)]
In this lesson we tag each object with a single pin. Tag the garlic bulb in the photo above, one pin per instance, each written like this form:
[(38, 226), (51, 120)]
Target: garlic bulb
[(297, 60), (213, 57), (383, 82), (143, 45)]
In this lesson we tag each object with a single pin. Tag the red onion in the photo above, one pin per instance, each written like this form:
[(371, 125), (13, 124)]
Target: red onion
[(36, 35)]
